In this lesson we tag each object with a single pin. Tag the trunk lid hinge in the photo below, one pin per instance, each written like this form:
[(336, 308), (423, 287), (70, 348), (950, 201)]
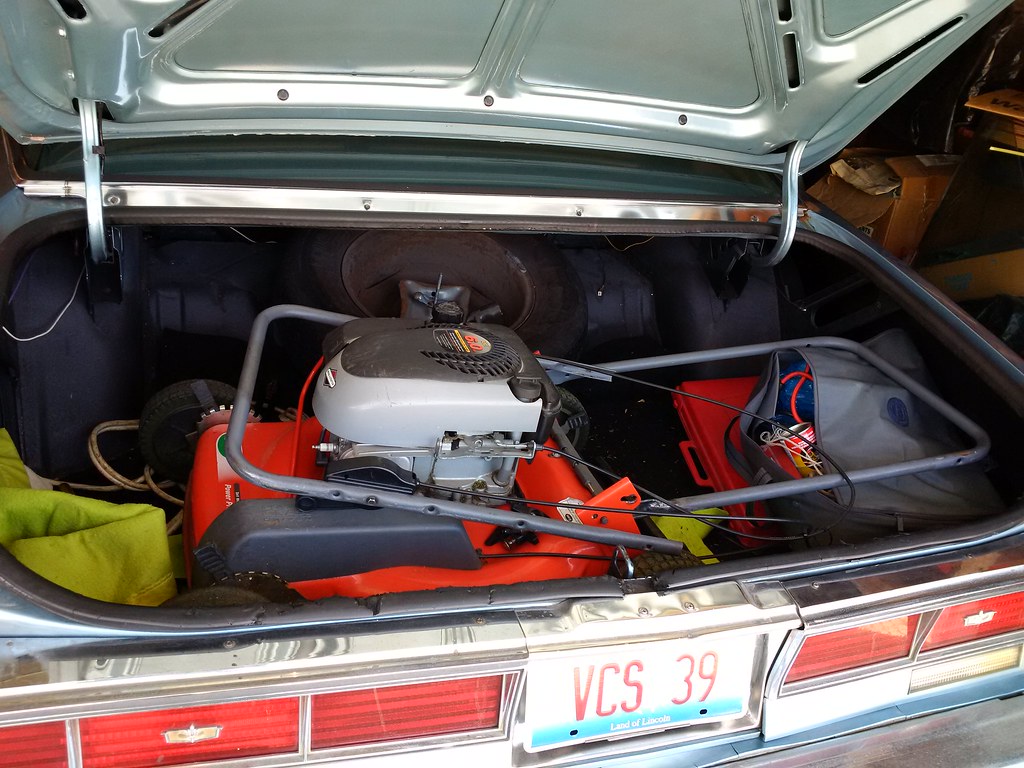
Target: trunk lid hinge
[(103, 265), (790, 206)]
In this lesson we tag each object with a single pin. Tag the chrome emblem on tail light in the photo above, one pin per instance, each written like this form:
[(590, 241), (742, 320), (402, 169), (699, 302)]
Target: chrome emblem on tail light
[(192, 735), (979, 618)]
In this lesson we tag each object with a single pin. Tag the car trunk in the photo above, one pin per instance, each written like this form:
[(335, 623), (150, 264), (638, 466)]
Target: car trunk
[(527, 521), (191, 293)]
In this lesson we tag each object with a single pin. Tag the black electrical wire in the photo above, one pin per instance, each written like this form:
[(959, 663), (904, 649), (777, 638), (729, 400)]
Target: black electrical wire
[(726, 447), (677, 511), (847, 508), (673, 509)]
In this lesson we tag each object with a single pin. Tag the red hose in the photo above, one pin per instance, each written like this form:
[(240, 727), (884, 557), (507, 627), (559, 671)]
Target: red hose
[(804, 375), (297, 437)]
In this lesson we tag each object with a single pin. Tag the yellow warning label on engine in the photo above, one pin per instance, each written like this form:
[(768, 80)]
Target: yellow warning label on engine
[(467, 342)]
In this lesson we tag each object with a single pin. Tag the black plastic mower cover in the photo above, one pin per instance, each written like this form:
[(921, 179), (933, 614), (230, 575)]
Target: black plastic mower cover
[(334, 539)]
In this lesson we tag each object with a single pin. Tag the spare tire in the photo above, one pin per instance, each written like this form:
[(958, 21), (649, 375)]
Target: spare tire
[(358, 272)]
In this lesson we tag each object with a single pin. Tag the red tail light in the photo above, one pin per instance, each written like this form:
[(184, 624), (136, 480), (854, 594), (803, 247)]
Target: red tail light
[(852, 648), (191, 735), (405, 711), (977, 619), (43, 745)]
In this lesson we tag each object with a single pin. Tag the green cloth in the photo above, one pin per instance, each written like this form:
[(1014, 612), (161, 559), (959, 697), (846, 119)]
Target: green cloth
[(118, 553), (12, 471), (177, 545)]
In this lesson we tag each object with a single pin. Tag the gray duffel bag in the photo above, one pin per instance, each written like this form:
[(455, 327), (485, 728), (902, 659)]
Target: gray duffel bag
[(863, 419)]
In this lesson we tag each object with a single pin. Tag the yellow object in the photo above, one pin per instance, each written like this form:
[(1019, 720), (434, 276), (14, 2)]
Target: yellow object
[(113, 552), (1006, 151), (690, 531), (12, 471)]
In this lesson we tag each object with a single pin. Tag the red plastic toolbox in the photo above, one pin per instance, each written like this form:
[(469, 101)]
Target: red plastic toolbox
[(704, 451)]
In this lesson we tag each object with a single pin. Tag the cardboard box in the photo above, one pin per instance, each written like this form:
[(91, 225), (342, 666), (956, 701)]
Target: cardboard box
[(973, 249), (897, 219), (980, 277), (1008, 102), (1006, 128), (981, 212)]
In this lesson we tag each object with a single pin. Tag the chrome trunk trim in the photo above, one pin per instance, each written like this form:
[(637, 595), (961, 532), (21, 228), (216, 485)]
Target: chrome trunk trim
[(371, 203)]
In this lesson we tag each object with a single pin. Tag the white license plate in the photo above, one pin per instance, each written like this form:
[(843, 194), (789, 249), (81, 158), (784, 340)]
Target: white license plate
[(602, 693)]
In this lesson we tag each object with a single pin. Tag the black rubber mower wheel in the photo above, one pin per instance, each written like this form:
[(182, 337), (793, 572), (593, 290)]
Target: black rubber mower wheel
[(548, 306), (168, 423), (573, 419)]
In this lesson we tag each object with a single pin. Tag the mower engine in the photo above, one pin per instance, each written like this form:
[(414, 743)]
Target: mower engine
[(445, 409), (448, 406)]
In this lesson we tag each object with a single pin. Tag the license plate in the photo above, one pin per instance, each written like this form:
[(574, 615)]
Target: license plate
[(634, 688)]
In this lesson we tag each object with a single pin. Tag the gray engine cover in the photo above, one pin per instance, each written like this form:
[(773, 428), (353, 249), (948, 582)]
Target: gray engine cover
[(386, 383)]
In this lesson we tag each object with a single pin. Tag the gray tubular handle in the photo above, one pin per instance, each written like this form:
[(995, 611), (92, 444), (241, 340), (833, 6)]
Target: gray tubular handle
[(776, 490), (374, 498)]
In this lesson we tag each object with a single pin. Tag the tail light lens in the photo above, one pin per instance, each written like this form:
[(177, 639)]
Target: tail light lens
[(42, 745), (406, 711), (853, 648), (967, 668), (263, 728), (891, 639), (977, 619), (190, 735)]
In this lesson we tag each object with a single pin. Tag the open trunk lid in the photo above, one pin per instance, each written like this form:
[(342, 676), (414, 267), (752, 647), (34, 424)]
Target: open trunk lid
[(734, 82)]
